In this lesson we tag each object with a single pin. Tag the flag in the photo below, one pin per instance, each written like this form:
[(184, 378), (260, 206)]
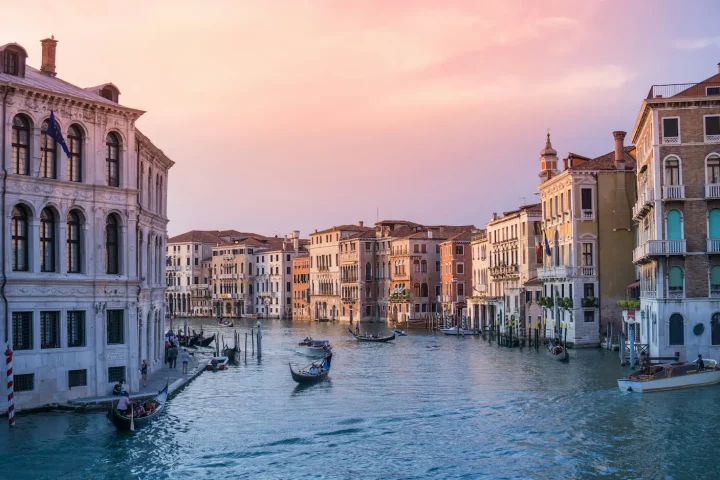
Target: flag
[(548, 252), (53, 131), (538, 252)]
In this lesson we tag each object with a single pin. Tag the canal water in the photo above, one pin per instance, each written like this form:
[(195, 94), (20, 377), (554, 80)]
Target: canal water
[(424, 406)]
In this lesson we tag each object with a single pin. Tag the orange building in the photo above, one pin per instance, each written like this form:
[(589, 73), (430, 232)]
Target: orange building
[(455, 273), (301, 287)]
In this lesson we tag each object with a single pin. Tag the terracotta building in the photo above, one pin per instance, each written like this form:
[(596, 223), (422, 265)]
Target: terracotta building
[(455, 273), (301, 287)]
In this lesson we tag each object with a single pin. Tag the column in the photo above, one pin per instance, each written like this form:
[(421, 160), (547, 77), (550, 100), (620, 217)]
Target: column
[(34, 247), (143, 257), (132, 374), (153, 340), (61, 246), (124, 251), (143, 337)]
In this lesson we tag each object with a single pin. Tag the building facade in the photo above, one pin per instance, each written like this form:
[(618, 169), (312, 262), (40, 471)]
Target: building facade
[(301, 287), (455, 273), (188, 273), (678, 219), (83, 237)]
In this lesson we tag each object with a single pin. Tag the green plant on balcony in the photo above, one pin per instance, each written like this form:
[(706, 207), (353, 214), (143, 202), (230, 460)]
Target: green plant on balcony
[(589, 302), (629, 304), (565, 303)]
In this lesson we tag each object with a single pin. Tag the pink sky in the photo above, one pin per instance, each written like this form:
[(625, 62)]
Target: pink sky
[(285, 115)]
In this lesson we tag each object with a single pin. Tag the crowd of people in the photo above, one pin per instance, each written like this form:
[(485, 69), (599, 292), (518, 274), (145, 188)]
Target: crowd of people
[(173, 351)]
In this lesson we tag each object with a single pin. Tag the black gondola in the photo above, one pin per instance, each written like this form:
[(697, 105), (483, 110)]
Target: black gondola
[(371, 339), (558, 352), (302, 376), (123, 423), (205, 342)]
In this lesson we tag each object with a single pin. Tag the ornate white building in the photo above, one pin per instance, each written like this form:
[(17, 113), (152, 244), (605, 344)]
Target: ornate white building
[(83, 236)]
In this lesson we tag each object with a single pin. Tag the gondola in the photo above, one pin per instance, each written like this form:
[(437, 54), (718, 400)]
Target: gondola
[(561, 356), (399, 333), (302, 376), (123, 423), (205, 342), (371, 339)]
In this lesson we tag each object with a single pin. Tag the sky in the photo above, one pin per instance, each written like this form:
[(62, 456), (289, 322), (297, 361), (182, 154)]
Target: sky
[(298, 114)]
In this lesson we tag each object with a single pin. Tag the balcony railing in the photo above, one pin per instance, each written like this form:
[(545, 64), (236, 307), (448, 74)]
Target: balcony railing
[(555, 272), (712, 190), (505, 270), (673, 192), (588, 214), (644, 202), (712, 138), (659, 248), (713, 245), (671, 140), (587, 271), (682, 90), (350, 279)]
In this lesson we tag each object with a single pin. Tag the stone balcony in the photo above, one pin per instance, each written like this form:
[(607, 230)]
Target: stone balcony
[(673, 192), (712, 190), (564, 271), (644, 202), (663, 248)]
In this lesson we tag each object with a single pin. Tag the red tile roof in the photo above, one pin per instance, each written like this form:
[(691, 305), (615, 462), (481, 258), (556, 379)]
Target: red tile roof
[(607, 161)]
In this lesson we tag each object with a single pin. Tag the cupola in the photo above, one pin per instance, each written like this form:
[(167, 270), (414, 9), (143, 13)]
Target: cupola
[(548, 161)]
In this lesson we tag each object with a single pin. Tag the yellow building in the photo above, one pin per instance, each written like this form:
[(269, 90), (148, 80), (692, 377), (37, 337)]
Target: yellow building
[(588, 239)]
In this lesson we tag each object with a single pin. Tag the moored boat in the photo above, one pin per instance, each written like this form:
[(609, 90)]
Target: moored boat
[(217, 363), (152, 407), (205, 342), (369, 338), (671, 376), (458, 331)]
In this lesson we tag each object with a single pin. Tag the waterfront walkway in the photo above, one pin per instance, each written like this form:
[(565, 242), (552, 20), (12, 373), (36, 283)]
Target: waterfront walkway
[(174, 377)]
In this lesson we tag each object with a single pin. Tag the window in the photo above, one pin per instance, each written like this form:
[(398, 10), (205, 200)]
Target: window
[(24, 382), (47, 240), (460, 268), (116, 374), (11, 63), (423, 266), (672, 171), (115, 330), (671, 130), (587, 254), (49, 329), (675, 282), (460, 289), (712, 128), (677, 329), (112, 159), (48, 153), (712, 171), (19, 239), (586, 198), (459, 250), (288, 287), (589, 316), (588, 290), (21, 145), (77, 378), (437, 266), (73, 242), (674, 225), (715, 329), (74, 163), (438, 290), (111, 245), (76, 328), (22, 334)]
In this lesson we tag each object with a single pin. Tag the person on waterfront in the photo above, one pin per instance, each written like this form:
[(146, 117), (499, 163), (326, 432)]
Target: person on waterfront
[(124, 404), (185, 360), (172, 355), (700, 363), (143, 372), (176, 342)]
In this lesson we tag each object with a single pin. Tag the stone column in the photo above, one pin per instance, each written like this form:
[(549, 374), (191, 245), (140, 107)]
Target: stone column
[(144, 257), (61, 247), (132, 372), (34, 246), (124, 251), (152, 360), (143, 337)]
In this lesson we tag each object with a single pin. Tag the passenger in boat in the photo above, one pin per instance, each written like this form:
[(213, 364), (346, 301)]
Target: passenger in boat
[(313, 370), (124, 405), (700, 363)]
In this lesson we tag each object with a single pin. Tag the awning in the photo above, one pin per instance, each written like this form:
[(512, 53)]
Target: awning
[(634, 285)]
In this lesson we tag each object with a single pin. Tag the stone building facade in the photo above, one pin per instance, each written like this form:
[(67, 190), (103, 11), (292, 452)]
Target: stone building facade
[(83, 238), (455, 273), (301, 287)]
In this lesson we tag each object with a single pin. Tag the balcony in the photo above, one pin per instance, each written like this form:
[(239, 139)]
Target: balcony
[(712, 190), (505, 271), (653, 248), (712, 138), (713, 245), (586, 271), (644, 202), (228, 276), (349, 300), (587, 214), (549, 273), (674, 192), (671, 140), (682, 90), (349, 279)]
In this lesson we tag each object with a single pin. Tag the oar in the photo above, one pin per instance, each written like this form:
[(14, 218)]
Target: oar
[(132, 418)]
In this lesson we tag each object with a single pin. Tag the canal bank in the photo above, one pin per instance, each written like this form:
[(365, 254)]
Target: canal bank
[(425, 406)]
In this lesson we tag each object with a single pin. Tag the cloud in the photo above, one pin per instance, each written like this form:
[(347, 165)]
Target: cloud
[(696, 43)]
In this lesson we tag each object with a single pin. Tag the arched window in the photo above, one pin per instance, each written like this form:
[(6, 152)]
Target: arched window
[(677, 329), (715, 329), (674, 225), (556, 253), (112, 250), (672, 171), (75, 145), (424, 290), (19, 239), (47, 240), (48, 153), (416, 263), (73, 242), (112, 160), (21, 145), (715, 281), (712, 169), (675, 282), (423, 266), (416, 290)]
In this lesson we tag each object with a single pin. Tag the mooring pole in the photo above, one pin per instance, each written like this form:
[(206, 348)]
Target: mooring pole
[(259, 339)]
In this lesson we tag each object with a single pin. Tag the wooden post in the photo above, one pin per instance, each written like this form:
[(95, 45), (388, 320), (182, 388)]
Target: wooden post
[(252, 341), (259, 339), (245, 347)]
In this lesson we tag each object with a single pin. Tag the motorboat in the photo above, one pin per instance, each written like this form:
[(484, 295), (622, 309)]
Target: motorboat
[(399, 333), (217, 363), (671, 376), (458, 331), (315, 348)]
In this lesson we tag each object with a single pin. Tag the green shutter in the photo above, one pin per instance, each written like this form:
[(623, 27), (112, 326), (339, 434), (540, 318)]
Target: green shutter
[(715, 276), (675, 277), (715, 223), (674, 230)]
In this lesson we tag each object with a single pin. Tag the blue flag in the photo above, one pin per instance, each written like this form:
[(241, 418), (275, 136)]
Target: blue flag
[(53, 131), (548, 252)]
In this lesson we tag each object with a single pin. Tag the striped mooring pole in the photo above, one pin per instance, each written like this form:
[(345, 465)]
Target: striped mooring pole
[(11, 405)]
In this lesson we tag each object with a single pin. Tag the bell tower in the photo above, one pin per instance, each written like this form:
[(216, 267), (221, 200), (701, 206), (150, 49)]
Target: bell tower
[(548, 161)]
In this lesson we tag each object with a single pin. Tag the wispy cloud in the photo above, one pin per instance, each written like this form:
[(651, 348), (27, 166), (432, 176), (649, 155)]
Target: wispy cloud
[(696, 43)]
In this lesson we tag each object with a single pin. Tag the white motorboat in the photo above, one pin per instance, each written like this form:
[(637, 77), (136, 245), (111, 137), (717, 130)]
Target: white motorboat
[(671, 376), (217, 363), (315, 348), (458, 331)]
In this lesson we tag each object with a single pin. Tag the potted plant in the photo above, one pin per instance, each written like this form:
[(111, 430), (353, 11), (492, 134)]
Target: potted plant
[(589, 302)]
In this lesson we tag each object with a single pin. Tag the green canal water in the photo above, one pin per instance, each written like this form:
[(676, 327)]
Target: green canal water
[(424, 406)]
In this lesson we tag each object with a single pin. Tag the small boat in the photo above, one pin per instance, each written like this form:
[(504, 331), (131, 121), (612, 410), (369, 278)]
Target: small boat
[(399, 333), (305, 377), (205, 342), (558, 352), (217, 363), (671, 376), (225, 324), (369, 338), (232, 354), (152, 406), (315, 347), (458, 331)]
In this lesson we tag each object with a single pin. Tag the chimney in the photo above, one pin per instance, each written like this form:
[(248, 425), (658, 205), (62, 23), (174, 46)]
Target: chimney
[(718, 67), (494, 215), (430, 234), (47, 65), (565, 163), (619, 149), (361, 223)]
